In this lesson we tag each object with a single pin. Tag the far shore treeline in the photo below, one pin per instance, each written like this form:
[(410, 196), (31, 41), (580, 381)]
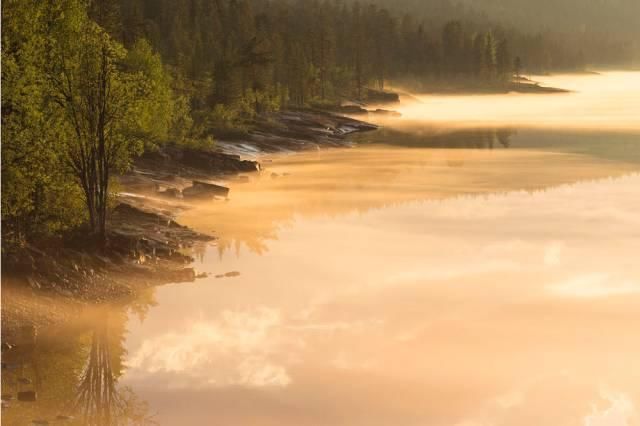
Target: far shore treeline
[(89, 85)]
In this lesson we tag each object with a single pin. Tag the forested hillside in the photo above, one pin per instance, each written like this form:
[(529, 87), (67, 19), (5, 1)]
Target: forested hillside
[(552, 34), (305, 51)]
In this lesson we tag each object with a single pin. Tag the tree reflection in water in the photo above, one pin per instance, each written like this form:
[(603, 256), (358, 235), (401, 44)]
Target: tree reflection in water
[(99, 399), (420, 136), (71, 371)]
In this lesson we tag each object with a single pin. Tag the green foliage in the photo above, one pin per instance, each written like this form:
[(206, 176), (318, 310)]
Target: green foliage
[(107, 107), (37, 195), (76, 107), (159, 112), (225, 121)]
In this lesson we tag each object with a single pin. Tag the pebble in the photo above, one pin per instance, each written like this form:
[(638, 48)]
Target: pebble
[(63, 417), (228, 274)]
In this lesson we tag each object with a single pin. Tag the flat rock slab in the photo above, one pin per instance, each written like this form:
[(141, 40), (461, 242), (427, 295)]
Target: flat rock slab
[(201, 189)]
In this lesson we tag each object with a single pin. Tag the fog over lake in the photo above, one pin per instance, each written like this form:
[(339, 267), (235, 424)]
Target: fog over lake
[(397, 284), (471, 263)]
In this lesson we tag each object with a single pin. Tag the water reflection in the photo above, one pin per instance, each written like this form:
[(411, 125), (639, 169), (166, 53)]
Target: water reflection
[(476, 309), (98, 400), (339, 181), (429, 136), (424, 281), (70, 375)]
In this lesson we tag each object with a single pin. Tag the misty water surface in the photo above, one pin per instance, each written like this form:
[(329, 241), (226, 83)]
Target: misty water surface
[(472, 263)]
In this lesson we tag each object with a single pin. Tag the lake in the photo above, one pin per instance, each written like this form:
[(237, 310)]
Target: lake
[(474, 262)]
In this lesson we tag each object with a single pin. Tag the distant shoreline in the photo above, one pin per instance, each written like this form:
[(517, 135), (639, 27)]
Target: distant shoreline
[(524, 86)]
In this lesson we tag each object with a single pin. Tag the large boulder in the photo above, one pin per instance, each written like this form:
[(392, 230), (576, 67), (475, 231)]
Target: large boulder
[(201, 189), (217, 162)]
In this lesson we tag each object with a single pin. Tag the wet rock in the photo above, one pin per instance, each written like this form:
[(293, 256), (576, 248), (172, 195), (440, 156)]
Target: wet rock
[(170, 193), (171, 160), (388, 113), (228, 274), (181, 275), (64, 418), (214, 162), (205, 190), (27, 396)]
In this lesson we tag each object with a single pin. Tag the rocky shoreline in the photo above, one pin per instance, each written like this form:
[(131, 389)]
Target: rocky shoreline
[(145, 245)]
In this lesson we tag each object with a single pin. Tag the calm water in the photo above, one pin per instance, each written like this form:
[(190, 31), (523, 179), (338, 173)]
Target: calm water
[(473, 263)]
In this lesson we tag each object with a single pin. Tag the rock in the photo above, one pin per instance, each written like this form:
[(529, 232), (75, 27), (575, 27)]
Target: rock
[(387, 112), (216, 162), (27, 396), (228, 274), (63, 417), (170, 193), (205, 190), (202, 275), (351, 110), (181, 275)]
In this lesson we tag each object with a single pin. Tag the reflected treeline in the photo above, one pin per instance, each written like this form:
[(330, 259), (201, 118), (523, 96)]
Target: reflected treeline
[(71, 376), (336, 182), (99, 401), (474, 138)]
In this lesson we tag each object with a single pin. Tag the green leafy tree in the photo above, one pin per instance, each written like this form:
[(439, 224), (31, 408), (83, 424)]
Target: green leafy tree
[(38, 198), (107, 107)]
